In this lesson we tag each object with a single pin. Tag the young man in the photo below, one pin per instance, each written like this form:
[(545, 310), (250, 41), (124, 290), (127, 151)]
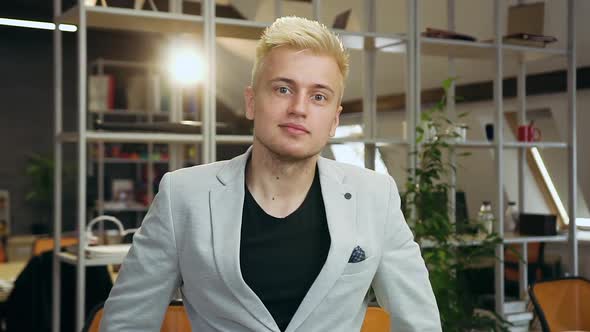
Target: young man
[(278, 239)]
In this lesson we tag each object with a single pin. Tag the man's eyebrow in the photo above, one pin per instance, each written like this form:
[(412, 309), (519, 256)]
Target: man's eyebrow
[(292, 82)]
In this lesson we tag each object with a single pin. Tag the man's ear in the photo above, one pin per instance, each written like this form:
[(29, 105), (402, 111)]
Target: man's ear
[(336, 121), (249, 102)]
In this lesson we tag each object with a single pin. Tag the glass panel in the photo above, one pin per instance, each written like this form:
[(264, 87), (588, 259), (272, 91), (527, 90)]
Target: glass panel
[(352, 100), (476, 177), (265, 10), (296, 8), (390, 83), (386, 160), (391, 16), (235, 59)]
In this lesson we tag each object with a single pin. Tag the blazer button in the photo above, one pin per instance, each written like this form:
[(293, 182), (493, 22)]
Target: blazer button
[(347, 195)]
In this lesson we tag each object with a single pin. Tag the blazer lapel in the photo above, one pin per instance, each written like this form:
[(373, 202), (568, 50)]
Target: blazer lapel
[(341, 217), (226, 204)]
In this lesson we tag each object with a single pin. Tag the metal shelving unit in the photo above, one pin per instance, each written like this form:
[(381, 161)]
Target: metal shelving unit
[(498, 52), (411, 45)]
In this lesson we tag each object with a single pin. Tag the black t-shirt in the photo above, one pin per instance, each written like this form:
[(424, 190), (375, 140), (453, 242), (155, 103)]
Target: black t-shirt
[(280, 258)]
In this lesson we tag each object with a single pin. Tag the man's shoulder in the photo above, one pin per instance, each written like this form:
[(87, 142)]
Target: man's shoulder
[(206, 173), (359, 175)]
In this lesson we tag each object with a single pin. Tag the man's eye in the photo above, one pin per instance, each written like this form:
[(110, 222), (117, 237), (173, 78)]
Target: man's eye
[(319, 97), (283, 90)]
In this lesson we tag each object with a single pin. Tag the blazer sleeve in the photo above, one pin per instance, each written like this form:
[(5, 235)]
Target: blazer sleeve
[(401, 282), (149, 274)]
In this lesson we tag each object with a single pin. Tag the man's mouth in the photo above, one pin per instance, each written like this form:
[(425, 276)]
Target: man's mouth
[(294, 128)]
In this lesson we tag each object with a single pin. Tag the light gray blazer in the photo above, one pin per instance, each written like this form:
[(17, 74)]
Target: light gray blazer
[(190, 238)]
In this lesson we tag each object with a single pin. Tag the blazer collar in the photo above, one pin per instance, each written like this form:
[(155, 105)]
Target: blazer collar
[(226, 206), (234, 169)]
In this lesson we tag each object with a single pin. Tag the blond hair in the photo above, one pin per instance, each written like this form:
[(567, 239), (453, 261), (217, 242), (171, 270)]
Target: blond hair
[(300, 34)]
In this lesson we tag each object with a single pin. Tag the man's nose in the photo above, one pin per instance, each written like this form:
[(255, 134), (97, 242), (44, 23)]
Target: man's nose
[(299, 104)]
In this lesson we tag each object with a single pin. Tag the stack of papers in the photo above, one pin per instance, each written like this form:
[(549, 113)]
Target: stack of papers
[(517, 314), (583, 224), (108, 251)]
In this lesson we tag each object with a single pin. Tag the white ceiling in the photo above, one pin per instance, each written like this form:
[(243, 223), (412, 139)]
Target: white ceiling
[(473, 17)]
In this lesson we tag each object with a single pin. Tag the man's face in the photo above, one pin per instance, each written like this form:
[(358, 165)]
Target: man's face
[(295, 103)]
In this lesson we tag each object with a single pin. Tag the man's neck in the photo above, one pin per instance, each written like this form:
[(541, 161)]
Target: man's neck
[(279, 186)]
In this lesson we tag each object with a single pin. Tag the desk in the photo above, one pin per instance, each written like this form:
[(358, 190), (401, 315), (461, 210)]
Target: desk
[(9, 272)]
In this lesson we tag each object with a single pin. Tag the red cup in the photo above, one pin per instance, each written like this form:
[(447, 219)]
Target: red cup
[(528, 133)]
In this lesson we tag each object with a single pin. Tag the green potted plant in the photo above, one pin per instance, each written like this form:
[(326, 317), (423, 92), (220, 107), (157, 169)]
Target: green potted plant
[(427, 208)]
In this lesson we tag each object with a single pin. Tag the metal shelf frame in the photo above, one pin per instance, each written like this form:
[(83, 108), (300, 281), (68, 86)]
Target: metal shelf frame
[(499, 52), (409, 44)]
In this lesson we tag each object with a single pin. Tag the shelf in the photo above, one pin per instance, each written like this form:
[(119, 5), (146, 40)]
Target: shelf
[(509, 238), (517, 238), (541, 145), (461, 240), (143, 137), (123, 207), (124, 112), (165, 22), (474, 144), (376, 141), (532, 53), (127, 209), (236, 28), (391, 43), (130, 161), (73, 259), (128, 137), (484, 50), (234, 139), (134, 20), (124, 64), (456, 48), (514, 145)]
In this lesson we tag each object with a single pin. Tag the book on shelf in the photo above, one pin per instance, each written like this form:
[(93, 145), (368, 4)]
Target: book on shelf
[(143, 93), (341, 20), (101, 92), (122, 190), (528, 39), (446, 34), (522, 42)]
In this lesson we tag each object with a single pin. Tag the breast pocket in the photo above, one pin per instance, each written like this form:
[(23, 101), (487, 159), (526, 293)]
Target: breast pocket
[(356, 268)]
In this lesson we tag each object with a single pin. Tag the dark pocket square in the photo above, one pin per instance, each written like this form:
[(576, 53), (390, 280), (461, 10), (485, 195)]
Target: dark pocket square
[(358, 255)]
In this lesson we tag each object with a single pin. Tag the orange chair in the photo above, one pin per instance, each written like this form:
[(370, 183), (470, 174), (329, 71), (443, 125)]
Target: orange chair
[(376, 320), (175, 319), (562, 304), (44, 244), (534, 261), (93, 322)]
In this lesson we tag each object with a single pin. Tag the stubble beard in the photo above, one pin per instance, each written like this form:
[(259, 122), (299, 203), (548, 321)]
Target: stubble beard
[(275, 153)]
